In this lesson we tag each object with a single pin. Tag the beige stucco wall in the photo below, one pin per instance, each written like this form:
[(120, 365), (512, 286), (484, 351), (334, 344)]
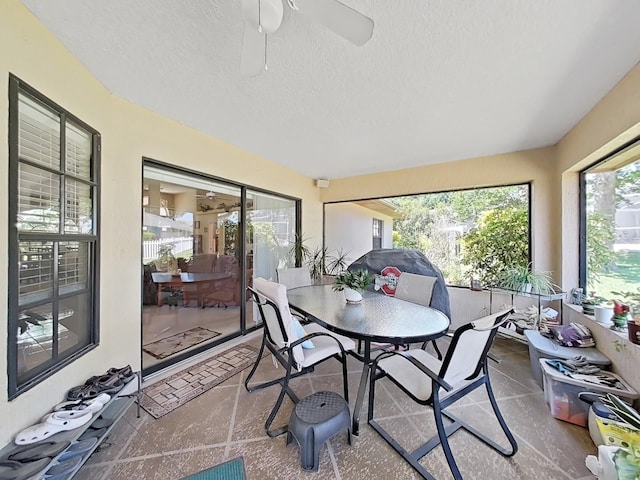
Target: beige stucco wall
[(349, 227), (536, 166), (613, 122), (128, 132)]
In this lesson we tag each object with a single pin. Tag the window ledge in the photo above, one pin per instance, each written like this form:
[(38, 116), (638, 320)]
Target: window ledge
[(592, 321)]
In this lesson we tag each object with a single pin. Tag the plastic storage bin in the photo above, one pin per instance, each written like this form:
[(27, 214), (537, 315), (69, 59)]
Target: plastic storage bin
[(543, 347), (561, 393)]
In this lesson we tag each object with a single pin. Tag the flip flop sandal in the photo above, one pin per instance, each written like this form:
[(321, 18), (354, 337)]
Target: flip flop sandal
[(53, 423), (89, 433), (78, 448), (101, 423), (38, 451), (12, 470), (63, 469)]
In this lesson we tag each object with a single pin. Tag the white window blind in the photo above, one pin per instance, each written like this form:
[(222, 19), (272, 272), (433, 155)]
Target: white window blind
[(53, 315), (39, 135)]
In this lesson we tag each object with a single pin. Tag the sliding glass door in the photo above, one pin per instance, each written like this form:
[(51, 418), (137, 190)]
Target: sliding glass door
[(191, 257), (271, 228), (203, 241)]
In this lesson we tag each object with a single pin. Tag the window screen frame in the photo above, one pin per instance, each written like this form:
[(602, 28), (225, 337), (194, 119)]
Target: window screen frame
[(59, 360), (609, 158)]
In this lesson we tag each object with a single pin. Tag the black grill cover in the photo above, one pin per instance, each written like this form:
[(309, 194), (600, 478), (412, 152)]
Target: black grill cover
[(411, 261)]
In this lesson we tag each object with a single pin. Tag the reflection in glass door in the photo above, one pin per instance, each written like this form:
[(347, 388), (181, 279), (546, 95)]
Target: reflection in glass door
[(271, 227), (191, 253)]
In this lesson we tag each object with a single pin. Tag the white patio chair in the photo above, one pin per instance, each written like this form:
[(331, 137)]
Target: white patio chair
[(294, 277), (417, 289), (440, 383), (282, 339)]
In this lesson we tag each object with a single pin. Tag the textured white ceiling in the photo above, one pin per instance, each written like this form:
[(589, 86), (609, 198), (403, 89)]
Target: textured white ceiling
[(440, 80)]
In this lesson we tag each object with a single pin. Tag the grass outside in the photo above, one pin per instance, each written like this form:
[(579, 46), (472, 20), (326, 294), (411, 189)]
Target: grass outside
[(623, 276)]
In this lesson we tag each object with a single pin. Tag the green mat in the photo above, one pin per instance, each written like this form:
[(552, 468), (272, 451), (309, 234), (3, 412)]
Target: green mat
[(231, 470)]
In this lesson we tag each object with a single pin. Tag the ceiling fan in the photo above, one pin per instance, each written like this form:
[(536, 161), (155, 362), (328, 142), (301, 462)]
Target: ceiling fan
[(221, 207), (208, 195), (265, 16)]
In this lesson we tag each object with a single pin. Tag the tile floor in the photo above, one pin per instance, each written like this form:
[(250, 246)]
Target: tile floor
[(227, 422)]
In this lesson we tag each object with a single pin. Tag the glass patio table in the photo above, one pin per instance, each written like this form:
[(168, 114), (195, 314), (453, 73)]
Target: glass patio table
[(378, 318)]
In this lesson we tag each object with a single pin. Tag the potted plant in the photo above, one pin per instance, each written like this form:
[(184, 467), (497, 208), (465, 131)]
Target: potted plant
[(590, 303), (522, 278), (166, 262), (632, 299), (352, 283)]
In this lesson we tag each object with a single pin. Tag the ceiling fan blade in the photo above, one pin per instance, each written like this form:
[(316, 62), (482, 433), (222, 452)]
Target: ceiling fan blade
[(337, 17), (253, 52)]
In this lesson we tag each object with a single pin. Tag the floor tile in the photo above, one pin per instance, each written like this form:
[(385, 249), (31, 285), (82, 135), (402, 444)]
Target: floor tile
[(202, 421), (228, 422)]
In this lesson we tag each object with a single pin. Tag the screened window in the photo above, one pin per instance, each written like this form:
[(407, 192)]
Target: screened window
[(610, 249), (469, 234), (53, 159)]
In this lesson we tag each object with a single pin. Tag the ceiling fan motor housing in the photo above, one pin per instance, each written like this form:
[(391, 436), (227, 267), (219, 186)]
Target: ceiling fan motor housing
[(266, 14)]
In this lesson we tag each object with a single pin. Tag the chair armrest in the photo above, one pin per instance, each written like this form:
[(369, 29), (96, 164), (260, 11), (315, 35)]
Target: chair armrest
[(418, 364), (317, 334), (301, 318)]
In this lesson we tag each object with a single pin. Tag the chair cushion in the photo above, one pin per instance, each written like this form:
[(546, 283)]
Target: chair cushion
[(324, 346), (277, 293)]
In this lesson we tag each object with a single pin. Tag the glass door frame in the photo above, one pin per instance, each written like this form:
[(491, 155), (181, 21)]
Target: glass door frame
[(179, 357)]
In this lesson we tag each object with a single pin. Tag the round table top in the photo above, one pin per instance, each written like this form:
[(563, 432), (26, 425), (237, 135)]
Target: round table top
[(377, 318)]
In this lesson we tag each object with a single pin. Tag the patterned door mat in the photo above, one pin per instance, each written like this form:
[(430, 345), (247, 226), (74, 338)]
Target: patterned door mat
[(168, 394), (166, 347)]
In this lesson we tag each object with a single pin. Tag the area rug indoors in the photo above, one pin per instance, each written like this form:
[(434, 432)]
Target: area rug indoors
[(166, 347), (168, 394), (231, 470)]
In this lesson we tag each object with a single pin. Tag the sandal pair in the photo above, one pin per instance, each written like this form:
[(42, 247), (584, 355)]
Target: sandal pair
[(111, 382), (95, 386), (36, 451), (14, 470), (62, 469)]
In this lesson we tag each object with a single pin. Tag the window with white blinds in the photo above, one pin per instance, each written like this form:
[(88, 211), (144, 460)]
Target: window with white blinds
[(53, 237)]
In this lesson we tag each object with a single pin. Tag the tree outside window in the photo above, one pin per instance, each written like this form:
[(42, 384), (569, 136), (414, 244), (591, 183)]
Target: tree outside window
[(611, 254)]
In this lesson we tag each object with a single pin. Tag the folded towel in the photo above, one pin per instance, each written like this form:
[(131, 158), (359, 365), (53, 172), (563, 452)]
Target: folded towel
[(577, 364)]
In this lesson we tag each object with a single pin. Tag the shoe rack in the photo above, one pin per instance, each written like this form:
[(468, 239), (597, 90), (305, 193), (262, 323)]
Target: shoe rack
[(113, 410)]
